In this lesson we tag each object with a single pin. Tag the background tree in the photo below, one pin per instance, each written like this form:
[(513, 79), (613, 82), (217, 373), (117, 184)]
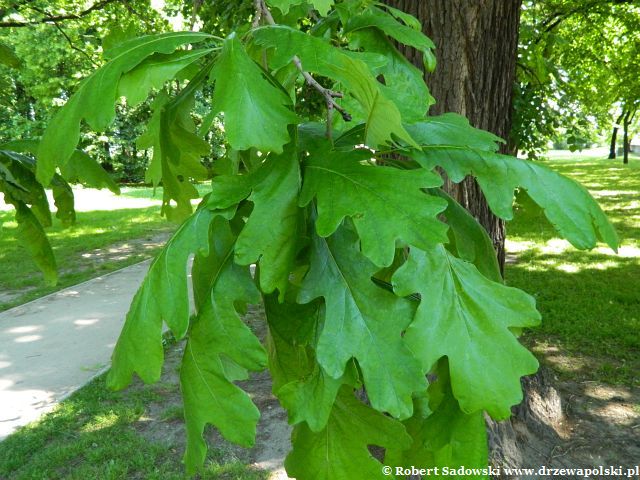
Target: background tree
[(575, 72), (59, 43)]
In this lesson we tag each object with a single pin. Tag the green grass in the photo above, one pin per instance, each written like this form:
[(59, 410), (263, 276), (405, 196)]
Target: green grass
[(99, 434), (156, 193), (82, 251), (590, 301)]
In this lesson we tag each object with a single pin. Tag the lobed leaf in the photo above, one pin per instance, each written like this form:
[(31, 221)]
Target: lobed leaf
[(374, 17), (468, 240), (444, 435), (403, 82), (256, 113), (385, 204), (81, 167), (452, 130), (20, 185), (340, 450), (219, 346), (362, 321), (154, 72), (566, 204), (31, 236), (466, 317), (95, 99), (382, 117), (163, 296), (302, 386), (322, 6), (177, 149), (270, 236)]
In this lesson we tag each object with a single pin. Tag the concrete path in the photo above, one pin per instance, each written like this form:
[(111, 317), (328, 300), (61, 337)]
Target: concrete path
[(54, 345)]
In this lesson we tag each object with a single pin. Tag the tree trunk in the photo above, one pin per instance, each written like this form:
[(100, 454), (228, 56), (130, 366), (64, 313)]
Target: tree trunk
[(614, 141), (625, 141), (477, 43), (614, 138)]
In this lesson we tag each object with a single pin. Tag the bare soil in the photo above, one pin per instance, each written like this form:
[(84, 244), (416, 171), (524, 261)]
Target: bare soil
[(273, 431), (569, 424)]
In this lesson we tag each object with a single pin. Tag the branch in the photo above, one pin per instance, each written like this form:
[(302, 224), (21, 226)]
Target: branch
[(555, 19), (262, 11), (70, 42), (67, 38), (58, 18)]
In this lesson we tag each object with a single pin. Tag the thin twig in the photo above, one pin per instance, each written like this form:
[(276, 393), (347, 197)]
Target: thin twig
[(67, 38), (70, 42), (58, 18), (262, 11)]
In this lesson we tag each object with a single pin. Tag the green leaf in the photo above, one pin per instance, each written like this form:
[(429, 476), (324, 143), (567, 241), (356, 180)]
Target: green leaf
[(362, 321), (403, 82), (270, 234), (385, 204), (340, 450), (220, 342), (566, 204), (64, 200), (81, 167), (256, 113), (322, 6), (23, 186), (177, 149), (154, 72), (467, 317), (381, 115), (8, 57), (302, 386), (163, 296), (451, 129), (445, 436), (31, 236), (386, 23), (95, 99), (468, 240), (407, 19)]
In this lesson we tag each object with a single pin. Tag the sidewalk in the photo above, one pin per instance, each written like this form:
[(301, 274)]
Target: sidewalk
[(54, 345)]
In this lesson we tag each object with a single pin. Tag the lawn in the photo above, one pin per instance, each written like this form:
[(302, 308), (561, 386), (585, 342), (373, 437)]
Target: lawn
[(97, 434), (590, 301), (110, 233)]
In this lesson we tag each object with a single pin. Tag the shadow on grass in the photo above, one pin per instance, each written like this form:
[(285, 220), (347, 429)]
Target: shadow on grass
[(100, 434), (590, 305)]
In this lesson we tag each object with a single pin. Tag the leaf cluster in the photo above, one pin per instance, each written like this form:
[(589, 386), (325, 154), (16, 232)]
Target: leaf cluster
[(373, 279)]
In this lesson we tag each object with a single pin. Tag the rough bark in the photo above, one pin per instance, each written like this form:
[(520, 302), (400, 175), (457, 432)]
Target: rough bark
[(476, 42)]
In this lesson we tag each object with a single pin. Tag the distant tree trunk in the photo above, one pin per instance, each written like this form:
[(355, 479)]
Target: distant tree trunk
[(477, 43), (614, 138), (625, 141)]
